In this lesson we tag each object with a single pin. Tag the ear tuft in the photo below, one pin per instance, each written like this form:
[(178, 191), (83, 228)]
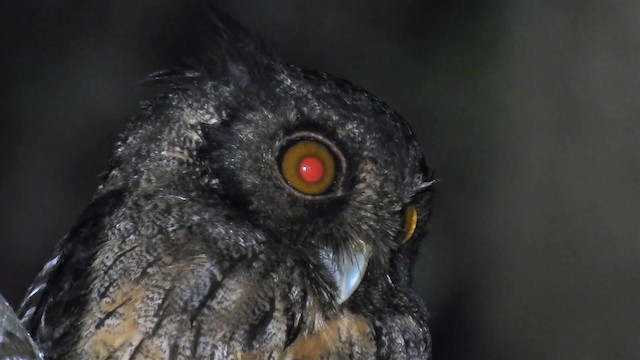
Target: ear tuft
[(226, 49), (223, 50)]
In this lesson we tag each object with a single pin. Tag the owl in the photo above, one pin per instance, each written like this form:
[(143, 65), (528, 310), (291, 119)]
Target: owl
[(254, 210)]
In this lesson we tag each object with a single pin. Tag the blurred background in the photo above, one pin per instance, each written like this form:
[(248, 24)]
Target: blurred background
[(527, 111)]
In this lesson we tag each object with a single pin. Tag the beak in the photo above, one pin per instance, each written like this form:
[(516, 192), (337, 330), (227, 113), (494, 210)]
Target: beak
[(347, 268)]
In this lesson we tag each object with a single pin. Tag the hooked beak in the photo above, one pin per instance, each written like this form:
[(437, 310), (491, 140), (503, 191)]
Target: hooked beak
[(347, 268)]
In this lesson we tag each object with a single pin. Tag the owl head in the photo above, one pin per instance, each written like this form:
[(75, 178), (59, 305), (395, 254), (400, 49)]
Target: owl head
[(328, 175)]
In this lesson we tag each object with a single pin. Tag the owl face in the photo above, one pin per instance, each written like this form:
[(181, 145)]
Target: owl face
[(326, 170)]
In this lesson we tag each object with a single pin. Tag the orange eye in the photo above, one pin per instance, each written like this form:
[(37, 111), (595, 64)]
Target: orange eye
[(410, 223), (309, 167)]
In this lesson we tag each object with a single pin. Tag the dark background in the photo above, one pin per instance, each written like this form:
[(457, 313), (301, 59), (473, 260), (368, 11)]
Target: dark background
[(528, 112)]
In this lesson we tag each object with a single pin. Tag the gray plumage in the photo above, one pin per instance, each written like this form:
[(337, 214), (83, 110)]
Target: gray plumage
[(195, 247)]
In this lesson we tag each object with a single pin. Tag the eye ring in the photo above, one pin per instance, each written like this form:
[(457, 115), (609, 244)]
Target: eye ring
[(310, 164)]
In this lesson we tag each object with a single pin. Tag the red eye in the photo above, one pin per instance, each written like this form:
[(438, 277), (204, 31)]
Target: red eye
[(309, 167)]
